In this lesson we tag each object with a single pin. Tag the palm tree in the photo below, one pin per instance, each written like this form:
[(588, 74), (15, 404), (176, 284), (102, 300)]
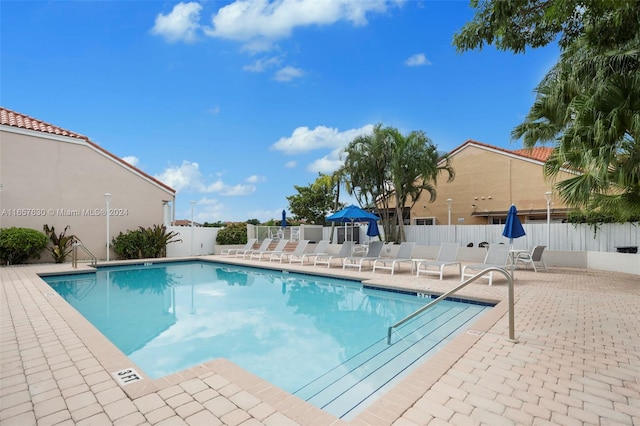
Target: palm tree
[(390, 171), (589, 105), (414, 169)]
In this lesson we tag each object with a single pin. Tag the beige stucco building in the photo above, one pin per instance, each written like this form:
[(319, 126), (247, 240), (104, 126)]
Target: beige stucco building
[(488, 181), (53, 176)]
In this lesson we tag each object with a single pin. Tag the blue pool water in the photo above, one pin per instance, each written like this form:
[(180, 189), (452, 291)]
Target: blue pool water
[(323, 339)]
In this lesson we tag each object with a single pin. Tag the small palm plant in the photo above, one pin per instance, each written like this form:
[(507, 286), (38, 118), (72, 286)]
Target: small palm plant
[(62, 243)]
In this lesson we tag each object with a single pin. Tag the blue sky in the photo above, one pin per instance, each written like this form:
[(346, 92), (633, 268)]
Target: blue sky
[(233, 103)]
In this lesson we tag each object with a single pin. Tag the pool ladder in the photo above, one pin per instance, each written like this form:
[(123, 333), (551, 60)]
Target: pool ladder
[(74, 255), (452, 291)]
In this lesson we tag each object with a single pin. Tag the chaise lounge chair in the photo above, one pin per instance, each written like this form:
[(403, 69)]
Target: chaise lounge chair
[(278, 249), (263, 246), (232, 251), (446, 257), (372, 254), (325, 258), (299, 250), (497, 256), (404, 255), (321, 248)]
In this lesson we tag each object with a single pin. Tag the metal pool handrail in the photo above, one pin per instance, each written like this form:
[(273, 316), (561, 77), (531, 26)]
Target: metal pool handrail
[(74, 255), (464, 284)]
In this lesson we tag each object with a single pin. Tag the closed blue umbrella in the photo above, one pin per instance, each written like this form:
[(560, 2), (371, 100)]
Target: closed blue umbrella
[(372, 230), (513, 228), (283, 224)]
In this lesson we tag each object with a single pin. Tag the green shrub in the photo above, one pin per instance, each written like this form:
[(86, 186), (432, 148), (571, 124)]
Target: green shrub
[(233, 234), (143, 243), (62, 243), (20, 244)]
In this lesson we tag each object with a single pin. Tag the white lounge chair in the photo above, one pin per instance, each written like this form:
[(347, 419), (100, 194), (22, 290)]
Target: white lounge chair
[(446, 257), (263, 246), (299, 250), (404, 255), (372, 254), (497, 256), (321, 248), (531, 258), (232, 251), (325, 258), (259, 253)]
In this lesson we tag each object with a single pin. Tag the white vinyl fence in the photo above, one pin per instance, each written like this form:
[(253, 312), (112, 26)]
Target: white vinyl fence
[(563, 236), (558, 236)]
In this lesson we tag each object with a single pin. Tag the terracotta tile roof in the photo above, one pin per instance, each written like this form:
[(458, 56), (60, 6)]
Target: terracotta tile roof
[(540, 153), (15, 119), (537, 153), (22, 121)]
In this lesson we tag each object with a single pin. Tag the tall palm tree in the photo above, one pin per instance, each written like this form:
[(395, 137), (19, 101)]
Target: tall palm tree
[(589, 105), (390, 171)]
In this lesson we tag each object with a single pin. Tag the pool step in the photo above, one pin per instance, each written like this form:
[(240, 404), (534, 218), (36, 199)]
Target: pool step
[(348, 388)]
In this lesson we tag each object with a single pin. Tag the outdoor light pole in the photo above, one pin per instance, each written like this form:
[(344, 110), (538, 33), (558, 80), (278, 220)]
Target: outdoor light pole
[(449, 201), (192, 204), (547, 196), (107, 199)]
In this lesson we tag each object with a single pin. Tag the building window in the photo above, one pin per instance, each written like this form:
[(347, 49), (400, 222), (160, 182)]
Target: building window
[(425, 221)]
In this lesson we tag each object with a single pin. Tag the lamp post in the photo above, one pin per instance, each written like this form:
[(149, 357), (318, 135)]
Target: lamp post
[(547, 196), (449, 201), (107, 199), (192, 204)]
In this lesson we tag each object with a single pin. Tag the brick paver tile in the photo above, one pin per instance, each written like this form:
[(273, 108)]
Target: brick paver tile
[(80, 400), (160, 414), (172, 421), (178, 400), (133, 419), (110, 395), (188, 409), (49, 406), (203, 417), (244, 400), (55, 418), (100, 419), (149, 403), (85, 412), (205, 395), (193, 386), (23, 419), (120, 408), (220, 406), (261, 411)]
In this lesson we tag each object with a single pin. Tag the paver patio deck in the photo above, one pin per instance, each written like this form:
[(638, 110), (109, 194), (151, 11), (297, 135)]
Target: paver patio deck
[(577, 362)]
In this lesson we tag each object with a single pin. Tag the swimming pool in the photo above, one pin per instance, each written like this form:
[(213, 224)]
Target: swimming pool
[(323, 339)]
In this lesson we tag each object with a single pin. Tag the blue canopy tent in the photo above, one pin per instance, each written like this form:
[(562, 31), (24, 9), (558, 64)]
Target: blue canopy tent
[(351, 214)]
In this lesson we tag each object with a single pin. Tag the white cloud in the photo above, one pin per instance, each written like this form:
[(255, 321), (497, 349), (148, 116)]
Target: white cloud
[(261, 65), (288, 73), (255, 179), (304, 139), (134, 161), (327, 164), (417, 60), (291, 164), (187, 177), (263, 21), (180, 24), (214, 110), (207, 210)]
